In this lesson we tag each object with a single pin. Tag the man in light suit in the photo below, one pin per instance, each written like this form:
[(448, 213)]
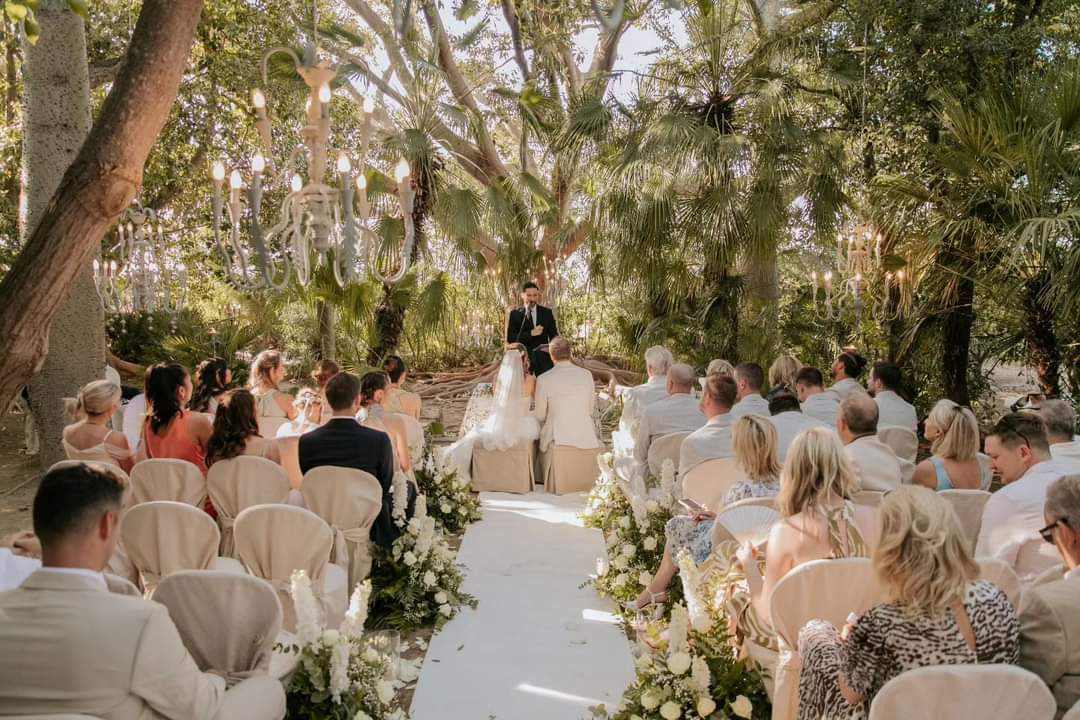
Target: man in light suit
[(678, 412), (1050, 612), (789, 421), (658, 361), (893, 410), (874, 462), (749, 378), (712, 441), (815, 400), (1060, 420), (566, 402), (72, 647)]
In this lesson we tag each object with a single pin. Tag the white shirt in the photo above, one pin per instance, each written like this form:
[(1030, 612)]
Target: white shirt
[(15, 568), (709, 442), (875, 464), (845, 387), (752, 404), (675, 413), (824, 406), (1069, 451), (895, 411), (96, 576), (1013, 517), (788, 425)]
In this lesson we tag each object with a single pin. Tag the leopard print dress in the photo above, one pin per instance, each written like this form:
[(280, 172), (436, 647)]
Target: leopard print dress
[(887, 640)]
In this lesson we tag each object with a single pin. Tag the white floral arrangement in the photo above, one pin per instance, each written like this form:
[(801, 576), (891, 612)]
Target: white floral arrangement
[(450, 498), (399, 509), (418, 583), (339, 676), (606, 501)]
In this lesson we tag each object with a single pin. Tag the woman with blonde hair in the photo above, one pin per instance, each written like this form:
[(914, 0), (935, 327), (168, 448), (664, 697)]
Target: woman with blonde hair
[(938, 613), (89, 437), (719, 366), (267, 372), (953, 433), (782, 375)]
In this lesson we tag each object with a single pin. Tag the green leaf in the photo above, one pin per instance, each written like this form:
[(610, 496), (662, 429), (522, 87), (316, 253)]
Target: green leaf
[(79, 7), (467, 9), (471, 36), (16, 12), (33, 30)]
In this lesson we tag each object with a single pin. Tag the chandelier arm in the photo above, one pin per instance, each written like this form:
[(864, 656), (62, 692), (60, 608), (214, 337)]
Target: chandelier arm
[(297, 63)]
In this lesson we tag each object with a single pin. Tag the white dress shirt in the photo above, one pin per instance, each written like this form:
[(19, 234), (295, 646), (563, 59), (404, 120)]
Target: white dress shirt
[(788, 425), (752, 404), (875, 464), (895, 411), (709, 442), (845, 387), (1069, 451), (1013, 517), (824, 406), (16, 568), (675, 413)]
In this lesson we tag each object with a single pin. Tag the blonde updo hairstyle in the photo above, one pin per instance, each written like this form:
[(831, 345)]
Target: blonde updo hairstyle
[(96, 398), (262, 366), (922, 557), (959, 438), (719, 366), (754, 440), (815, 465), (783, 371)]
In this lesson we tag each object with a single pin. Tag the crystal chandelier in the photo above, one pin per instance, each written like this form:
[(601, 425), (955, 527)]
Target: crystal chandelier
[(315, 218), (858, 257)]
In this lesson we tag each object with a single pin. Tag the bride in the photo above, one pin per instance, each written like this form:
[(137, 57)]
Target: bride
[(510, 421)]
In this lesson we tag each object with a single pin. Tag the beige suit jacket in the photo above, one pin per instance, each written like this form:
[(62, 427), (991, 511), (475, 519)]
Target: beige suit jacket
[(72, 647), (875, 464), (1050, 637), (566, 407)]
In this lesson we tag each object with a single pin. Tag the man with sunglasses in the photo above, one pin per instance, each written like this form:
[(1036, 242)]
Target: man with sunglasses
[(1050, 611), (1020, 453)]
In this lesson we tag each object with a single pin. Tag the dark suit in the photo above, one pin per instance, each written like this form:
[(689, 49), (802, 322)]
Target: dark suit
[(519, 329), (343, 442)]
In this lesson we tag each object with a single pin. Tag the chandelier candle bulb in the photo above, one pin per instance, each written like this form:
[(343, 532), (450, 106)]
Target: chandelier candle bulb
[(369, 105), (297, 184), (258, 163)]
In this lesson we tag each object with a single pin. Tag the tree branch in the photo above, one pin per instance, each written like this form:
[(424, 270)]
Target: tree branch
[(103, 73), (511, 15), (386, 34)]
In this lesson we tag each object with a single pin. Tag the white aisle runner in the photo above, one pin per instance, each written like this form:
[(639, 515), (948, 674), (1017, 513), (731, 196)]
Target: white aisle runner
[(537, 646)]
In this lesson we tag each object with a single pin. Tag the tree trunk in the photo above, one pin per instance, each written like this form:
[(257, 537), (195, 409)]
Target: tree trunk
[(956, 327), (97, 187), (1040, 336), (327, 339)]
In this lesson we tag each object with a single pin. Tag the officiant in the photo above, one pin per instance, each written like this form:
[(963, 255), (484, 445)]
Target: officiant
[(532, 325)]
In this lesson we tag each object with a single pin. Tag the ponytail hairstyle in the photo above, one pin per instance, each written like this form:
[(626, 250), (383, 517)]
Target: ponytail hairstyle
[(853, 363), (265, 363), (234, 423), (959, 431), (95, 398), (370, 384), (209, 383), (162, 386)]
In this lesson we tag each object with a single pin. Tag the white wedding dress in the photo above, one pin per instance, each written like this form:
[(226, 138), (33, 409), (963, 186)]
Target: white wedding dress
[(509, 423)]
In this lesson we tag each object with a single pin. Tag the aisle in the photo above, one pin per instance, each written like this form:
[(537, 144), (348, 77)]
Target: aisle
[(537, 646)]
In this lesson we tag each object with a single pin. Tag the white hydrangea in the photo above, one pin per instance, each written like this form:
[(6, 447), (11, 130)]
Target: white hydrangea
[(649, 543), (430, 579), (700, 677), (644, 578), (445, 508)]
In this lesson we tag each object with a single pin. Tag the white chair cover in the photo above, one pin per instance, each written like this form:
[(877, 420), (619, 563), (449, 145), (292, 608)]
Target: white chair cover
[(709, 482), (114, 470), (65, 716), (968, 505), (289, 449), (268, 426), (168, 479), (665, 447), (228, 623), (987, 470), (1073, 713), (907, 471), (163, 537), (569, 469), (349, 501), (809, 592), (964, 692), (901, 440), (511, 470), (274, 540), (1001, 574), (238, 484), (871, 498)]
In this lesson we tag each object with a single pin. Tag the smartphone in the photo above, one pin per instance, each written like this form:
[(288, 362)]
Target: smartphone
[(692, 505)]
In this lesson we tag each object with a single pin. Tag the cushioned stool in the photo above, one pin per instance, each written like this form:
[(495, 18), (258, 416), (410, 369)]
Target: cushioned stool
[(508, 470), (569, 469)]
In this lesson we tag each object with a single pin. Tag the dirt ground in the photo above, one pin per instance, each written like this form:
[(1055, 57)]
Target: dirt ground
[(18, 476)]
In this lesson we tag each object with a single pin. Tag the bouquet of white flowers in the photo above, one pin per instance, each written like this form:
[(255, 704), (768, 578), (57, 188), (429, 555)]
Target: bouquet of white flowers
[(450, 499), (339, 676), (606, 502), (417, 583)]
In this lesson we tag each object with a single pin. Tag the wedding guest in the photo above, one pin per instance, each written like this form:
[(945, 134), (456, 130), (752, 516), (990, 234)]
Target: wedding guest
[(749, 379), (678, 412), (90, 438), (953, 433), (719, 366), (754, 443), (400, 400), (846, 370), (267, 372), (324, 370), (236, 431), (212, 379), (1020, 454), (816, 402), (712, 440), (788, 419), (658, 361), (170, 429), (893, 410), (343, 442), (566, 402), (938, 613), (782, 374), (1060, 420), (309, 404), (20, 556), (876, 465), (84, 650), (372, 415), (1050, 612)]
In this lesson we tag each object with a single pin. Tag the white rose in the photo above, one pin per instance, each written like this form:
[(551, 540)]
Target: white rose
[(644, 662), (705, 707), (461, 511), (652, 506), (430, 579), (624, 522), (445, 507), (644, 578), (679, 663), (446, 610), (371, 655), (650, 700), (619, 563), (670, 711), (743, 707), (330, 636), (385, 690), (628, 550), (440, 597), (649, 543), (410, 558), (361, 716), (620, 580)]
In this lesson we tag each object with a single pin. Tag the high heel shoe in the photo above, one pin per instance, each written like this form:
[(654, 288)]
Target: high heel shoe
[(656, 601)]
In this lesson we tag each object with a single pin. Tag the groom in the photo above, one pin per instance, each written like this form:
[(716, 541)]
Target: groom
[(532, 325)]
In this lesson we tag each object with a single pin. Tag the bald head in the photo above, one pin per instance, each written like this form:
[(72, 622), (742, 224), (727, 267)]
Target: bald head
[(559, 349), (858, 416), (680, 378)]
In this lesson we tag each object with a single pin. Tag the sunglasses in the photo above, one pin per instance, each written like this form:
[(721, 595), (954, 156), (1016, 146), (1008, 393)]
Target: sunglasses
[(1047, 532)]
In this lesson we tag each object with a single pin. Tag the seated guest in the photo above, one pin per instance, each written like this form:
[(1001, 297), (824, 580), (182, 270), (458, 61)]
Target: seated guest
[(267, 373), (566, 402), (893, 410), (212, 378), (938, 613), (1020, 454), (236, 431), (83, 650), (875, 464), (1060, 420), (373, 415), (846, 370), (1050, 612), (754, 441), (343, 442), (20, 556), (816, 402), (711, 441), (324, 370), (90, 437), (657, 362), (789, 421), (953, 433), (678, 412), (170, 429), (309, 403), (749, 378), (719, 366), (400, 400), (782, 374)]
